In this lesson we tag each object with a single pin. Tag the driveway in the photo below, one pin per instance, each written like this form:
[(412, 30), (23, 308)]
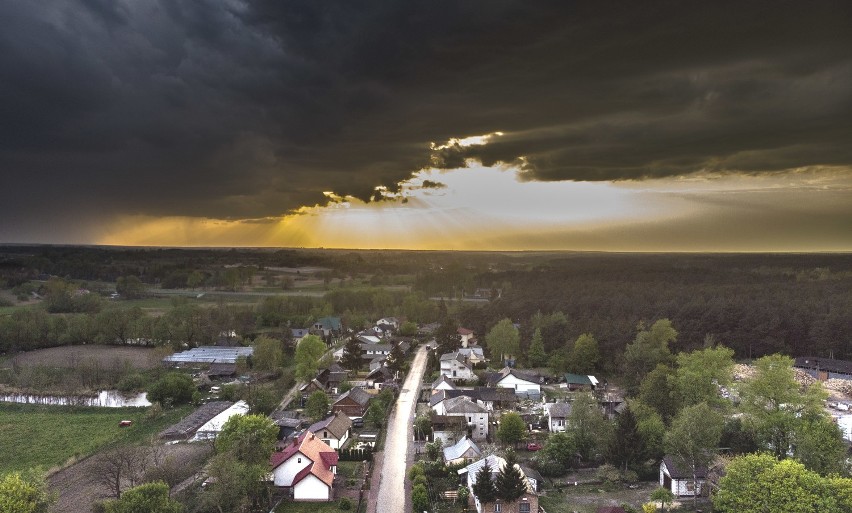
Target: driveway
[(393, 495)]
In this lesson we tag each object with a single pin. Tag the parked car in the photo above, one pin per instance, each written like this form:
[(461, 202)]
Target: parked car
[(125, 423), (533, 446), (358, 422)]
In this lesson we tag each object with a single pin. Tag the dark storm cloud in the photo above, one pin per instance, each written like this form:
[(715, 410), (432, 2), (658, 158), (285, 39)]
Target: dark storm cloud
[(234, 109)]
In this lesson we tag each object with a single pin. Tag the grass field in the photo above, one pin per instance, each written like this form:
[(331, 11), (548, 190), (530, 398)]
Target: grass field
[(48, 436), (70, 356), (311, 507)]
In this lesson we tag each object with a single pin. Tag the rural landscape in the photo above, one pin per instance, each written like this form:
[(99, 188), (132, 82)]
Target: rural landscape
[(579, 380), (490, 256)]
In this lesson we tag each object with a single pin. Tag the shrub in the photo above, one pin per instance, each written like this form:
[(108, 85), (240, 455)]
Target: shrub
[(172, 389), (345, 504)]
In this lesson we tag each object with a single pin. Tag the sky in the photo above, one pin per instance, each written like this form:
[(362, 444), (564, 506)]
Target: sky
[(476, 125)]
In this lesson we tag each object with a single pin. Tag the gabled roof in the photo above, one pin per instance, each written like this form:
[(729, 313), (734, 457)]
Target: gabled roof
[(460, 449), (299, 332), (442, 422), (824, 364), (679, 473), (329, 323), (381, 372), (313, 382), (559, 410), (495, 463), (356, 394), (464, 331), (476, 350), (443, 379), (508, 371), (318, 452), (463, 404), (337, 424)]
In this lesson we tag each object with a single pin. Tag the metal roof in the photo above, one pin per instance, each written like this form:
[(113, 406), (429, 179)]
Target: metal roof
[(210, 354)]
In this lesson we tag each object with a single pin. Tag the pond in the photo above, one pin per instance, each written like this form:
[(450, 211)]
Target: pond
[(105, 398)]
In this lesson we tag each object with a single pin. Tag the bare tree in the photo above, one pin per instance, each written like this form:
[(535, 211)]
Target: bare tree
[(119, 469)]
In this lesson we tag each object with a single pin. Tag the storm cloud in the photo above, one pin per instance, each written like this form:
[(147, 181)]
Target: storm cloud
[(249, 109)]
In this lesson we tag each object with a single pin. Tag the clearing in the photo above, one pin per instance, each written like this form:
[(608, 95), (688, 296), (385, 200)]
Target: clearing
[(49, 436), (71, 356)]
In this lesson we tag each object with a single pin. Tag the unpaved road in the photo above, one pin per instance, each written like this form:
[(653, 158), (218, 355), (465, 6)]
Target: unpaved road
[(392, 494)]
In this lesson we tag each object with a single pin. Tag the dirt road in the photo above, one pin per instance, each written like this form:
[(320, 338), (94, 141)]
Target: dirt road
[(392, 496)]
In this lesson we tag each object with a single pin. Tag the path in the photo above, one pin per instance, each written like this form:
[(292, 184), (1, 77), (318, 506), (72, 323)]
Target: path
[(392, 494)]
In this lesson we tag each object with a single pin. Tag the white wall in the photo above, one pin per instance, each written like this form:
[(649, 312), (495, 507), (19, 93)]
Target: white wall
[(311, 488), (283, 474), (518, 385)]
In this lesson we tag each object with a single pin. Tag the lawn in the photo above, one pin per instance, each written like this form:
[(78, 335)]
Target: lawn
[(48, 436), (312, 507)]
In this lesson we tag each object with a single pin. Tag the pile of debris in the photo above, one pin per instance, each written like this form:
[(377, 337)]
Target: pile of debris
[(803, 378), (743, 372), (838, 385)]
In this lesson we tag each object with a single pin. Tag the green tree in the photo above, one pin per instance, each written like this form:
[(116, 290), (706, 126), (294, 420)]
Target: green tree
[(24, 494), (316, 407), (700, 374), (584, 355), (627, 447), (268, 354), (419, 498), (396, 358), (537, 356), (510, 484), (649, 349), (512, 429), (249, 438), (262, 400), (483, 487), (662, 495), (172, 389), (651, 428), (758, 483), (308, 353), (557, 455), (130, 287), (145, 498), (588, 426), (503, 340), (408, 329), (693, 439), (775, 406), (352, 359), (237, 486), (658, 390), (820, 447), (194, 279)]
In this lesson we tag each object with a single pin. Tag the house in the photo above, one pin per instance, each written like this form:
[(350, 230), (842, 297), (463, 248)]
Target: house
[(463, 451), (310, 387), (557, 416), (307, 467), (328, 326), (428, 329), (528, 503), (522, 383), (679, 480), (334, 430), (379, 376), (533, 478), (332, 377), (297, 334), (442, 383), (468, 337), (448, 429), (580, 382), (456, 367), (353, 403), (475, 415), (488, 397), (370, 352), (473, 354), (287, 425), (388, 323), (824, 368), (221, 370)]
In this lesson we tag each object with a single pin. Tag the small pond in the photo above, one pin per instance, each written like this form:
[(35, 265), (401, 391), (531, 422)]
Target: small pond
[(105, 398)]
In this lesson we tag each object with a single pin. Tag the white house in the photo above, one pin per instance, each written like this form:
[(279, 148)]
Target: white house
[(334, 430), (679, 481), (473, 354), (520, 382), (476, 415), (455, 367), (557, 416), (307, 467), (442, 383)]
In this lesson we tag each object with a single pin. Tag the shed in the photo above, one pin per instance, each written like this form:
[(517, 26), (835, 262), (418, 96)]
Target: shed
[(679, 480)]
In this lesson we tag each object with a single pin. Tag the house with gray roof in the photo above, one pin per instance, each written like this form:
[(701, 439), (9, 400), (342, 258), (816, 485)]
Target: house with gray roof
[(463, 451), (557, 416)]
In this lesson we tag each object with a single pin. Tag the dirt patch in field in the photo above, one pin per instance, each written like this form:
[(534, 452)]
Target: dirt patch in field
[(78, 489), (71, 356)]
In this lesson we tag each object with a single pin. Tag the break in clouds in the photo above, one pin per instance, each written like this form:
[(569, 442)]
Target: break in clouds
[(232, 109)]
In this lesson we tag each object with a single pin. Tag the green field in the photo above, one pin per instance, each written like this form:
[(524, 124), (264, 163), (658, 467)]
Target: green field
[(48, 436), (312, 507)]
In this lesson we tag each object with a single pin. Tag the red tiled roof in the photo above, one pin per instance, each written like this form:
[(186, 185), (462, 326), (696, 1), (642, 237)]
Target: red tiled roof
[(302, 474), (464, 331), (329, 458), (322, 458), (278, 458)]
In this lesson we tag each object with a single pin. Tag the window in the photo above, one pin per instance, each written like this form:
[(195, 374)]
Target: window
[(524, 507), (497, 507), (298, 460), (325, 434)]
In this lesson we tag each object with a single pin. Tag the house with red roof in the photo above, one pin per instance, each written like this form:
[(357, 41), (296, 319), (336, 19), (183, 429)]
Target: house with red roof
[(307, 467)]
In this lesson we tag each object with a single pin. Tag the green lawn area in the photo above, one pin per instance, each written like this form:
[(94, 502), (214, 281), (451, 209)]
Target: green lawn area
[(47, 436), (312, 507)]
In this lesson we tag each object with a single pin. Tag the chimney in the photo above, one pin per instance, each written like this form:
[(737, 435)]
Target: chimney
[(312, 436)]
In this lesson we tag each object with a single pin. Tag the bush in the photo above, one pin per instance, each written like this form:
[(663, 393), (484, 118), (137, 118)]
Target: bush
[(345, 504), (132, 383), (172, 389)]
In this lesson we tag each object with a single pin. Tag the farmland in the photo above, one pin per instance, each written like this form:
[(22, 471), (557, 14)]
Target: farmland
[(70, 356), (49, 436)]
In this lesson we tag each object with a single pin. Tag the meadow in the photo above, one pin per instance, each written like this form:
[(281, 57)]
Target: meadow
[(50, 436)]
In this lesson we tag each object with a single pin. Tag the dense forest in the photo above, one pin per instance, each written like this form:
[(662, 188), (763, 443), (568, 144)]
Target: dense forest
[(756, 304)]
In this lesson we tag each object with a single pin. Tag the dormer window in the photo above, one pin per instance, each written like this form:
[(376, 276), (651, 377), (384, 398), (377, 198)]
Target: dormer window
[(298, 460)]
